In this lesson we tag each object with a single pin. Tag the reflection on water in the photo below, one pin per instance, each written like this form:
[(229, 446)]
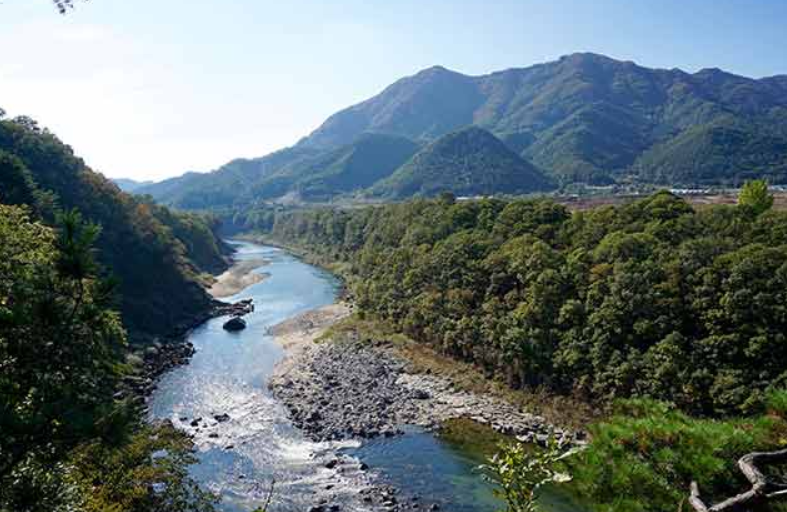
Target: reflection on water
[(239, 458)]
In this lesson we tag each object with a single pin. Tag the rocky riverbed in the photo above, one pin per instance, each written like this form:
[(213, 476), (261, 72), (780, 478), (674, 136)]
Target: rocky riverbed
[(362, 388)]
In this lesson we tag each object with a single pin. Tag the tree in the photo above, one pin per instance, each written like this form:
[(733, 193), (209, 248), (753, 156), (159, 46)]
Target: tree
[(59, 342), (519, 473), (64, 5), (755, 196)]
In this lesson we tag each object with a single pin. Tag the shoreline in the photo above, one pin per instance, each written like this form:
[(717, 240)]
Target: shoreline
[(238, 277), (352, 386), (166, 353)]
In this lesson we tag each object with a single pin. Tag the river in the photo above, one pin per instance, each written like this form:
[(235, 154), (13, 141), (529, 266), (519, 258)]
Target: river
[(239, 458)]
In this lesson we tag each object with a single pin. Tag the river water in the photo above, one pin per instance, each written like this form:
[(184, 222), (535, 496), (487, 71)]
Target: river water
[(239, 458)]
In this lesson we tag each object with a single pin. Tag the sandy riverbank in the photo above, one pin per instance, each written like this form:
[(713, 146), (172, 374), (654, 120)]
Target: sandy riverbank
[(239, 276), (348, 387)]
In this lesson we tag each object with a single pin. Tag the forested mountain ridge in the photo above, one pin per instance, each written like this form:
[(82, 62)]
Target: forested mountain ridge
[(585, 118), (223, 187), (302, 173), (467, 162), (157, 256), (589, 118)]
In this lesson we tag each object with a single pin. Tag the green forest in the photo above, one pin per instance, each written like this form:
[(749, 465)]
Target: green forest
[(159, 288), (88, 276), (67, 443), (674, 314)]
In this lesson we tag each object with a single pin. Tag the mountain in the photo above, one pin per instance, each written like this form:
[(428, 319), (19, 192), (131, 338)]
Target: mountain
[(589, 118), (467, 162), (584, 118), (302, 173), (423, 107), (350, 168), (127, 185), (152, 252), (225, 186)]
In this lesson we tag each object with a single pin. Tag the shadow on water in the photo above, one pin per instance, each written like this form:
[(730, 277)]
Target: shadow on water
[(239, 458)]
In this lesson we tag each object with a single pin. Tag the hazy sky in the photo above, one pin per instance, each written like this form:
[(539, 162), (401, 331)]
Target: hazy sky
[(153, 88)]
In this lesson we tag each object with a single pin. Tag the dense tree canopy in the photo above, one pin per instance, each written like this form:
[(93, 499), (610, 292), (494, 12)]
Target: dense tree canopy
[(651, 299), (156, 255), (66, 443)]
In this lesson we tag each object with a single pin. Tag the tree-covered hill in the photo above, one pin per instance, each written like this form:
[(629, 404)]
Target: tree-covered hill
[(585, 117), (156, 255), (467, 162), (227, 186), (303, 173), (348, 169), (721, 152), (129, 185)]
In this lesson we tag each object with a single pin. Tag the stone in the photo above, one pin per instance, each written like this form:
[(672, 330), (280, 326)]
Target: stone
[(235, 324), (420, 394)]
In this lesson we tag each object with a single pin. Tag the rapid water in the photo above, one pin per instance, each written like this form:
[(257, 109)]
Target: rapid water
[(240, 458)]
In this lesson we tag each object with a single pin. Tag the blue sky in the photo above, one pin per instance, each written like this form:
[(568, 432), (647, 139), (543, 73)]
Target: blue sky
[(153, 88)]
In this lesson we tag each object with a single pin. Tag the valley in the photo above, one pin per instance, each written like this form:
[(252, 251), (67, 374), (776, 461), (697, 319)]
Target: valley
[(258, 437), (556, 287)]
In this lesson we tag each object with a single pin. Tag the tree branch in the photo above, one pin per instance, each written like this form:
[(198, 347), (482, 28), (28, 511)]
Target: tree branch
[(761, 489)]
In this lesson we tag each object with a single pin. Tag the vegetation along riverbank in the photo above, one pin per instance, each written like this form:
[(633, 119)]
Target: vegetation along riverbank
[(666, 320), (85, 328)]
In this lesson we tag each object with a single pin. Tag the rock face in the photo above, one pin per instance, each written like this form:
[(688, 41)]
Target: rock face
[(363, 389), (235, 324)]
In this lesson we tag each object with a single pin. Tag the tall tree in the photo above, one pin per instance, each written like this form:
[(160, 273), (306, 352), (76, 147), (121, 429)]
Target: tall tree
[(755, 195)]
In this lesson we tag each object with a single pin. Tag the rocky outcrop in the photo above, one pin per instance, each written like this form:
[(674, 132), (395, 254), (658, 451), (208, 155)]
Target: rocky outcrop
[(240, 308)]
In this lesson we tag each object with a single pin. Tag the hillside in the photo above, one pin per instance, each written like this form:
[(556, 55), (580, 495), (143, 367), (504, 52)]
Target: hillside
[(304, 173), (151, 251), (585, 117), (223, 187), (347, 169), (128, 185), (467, 162)]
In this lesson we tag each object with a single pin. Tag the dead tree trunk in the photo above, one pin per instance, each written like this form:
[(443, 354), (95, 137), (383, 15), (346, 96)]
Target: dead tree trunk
[(761, 492)]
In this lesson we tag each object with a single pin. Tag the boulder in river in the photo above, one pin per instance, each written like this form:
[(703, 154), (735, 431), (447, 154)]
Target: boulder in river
[(235, 324)]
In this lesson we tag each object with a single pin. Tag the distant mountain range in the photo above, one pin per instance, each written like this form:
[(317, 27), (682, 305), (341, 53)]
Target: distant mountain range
[(127, 185), (585, 118)]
